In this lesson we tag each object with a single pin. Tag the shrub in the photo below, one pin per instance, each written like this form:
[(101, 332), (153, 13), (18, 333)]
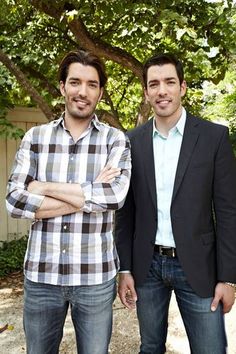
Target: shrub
[(12, 256)]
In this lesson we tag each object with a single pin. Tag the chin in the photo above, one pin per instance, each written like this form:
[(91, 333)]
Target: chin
[(79, 115)]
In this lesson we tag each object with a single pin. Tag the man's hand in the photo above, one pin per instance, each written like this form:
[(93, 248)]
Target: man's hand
[(127, 291), (108, 174), (224, 293)]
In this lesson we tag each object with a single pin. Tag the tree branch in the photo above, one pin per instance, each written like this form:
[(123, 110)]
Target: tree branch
[(108, 118), (109, 101), (130, 79), (87, 42), (26, 84), (44, 83), (103, 49), (143, 113)]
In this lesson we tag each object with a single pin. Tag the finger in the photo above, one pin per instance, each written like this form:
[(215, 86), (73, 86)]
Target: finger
[(122, 295), (109, 180), (112, 171), (215, 303), (111, 176), (128, 297), (133, 294), (108, 176), (130, 300), (106, 172)]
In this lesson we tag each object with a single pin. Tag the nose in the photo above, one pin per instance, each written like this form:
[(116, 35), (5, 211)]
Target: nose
[(82, 90), (162, 88)]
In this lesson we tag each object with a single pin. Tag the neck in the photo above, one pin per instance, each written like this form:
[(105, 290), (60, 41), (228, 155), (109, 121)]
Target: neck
[(76, 126), (165, 124)]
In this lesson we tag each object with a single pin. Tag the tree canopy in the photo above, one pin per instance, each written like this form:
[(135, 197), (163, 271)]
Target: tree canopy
[(36, 34)]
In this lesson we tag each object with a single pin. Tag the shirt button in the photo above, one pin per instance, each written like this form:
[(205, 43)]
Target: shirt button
[(72, 158), (64, 251), (64, 227)]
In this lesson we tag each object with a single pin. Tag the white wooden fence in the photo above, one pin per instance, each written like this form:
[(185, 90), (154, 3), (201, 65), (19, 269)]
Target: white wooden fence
[(23, 118)]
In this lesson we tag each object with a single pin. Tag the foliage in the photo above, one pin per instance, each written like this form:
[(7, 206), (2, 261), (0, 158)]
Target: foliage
[(35, 35), (6, 101), (12, 256), (220, 102), (8, 130)]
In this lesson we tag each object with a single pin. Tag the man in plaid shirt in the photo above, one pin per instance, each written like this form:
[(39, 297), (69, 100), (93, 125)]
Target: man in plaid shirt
[(68, 177)]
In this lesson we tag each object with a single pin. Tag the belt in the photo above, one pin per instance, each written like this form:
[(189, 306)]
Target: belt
[(165, 251)]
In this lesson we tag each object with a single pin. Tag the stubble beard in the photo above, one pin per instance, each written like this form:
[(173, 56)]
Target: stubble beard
[(80, 115), (168, 113)]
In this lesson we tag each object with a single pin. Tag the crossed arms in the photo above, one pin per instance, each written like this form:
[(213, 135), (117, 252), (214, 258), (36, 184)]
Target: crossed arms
[(30, 196), (65, 198)]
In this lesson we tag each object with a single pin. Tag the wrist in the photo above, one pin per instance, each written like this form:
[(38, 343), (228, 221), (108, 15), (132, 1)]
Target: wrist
[(233, 285)]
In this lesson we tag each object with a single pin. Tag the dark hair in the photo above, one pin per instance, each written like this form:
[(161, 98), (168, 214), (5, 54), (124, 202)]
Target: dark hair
[(85, 58), (161, 59)]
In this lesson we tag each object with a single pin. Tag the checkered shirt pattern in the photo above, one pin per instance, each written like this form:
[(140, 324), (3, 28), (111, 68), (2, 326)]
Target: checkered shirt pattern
[(75, 249)]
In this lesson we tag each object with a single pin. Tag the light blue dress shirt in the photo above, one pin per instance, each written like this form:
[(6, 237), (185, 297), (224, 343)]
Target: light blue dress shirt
[(166, 154)]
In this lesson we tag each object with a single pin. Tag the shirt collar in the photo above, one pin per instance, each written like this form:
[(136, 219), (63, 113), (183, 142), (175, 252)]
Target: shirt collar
[(179, 125), (94, 122), (181, 122)]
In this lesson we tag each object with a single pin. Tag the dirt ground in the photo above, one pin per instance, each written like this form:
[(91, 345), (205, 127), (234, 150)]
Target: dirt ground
[(125, 338)]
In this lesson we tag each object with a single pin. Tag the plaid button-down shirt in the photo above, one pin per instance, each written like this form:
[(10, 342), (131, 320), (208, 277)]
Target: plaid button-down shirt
[(75, 249)]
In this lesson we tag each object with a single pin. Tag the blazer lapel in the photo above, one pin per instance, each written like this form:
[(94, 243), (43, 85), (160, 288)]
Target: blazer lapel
[(148, 160), (190, 138)]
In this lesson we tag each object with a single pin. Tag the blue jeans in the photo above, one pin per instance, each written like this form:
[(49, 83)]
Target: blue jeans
[(205, 329), (45, 310)]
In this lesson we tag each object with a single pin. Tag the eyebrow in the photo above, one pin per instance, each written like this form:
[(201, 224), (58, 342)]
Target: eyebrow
[(90, 81), (166, 79)]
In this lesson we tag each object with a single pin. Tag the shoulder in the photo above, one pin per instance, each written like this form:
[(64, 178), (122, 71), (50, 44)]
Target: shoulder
[(206, 124), (141, 129), (207, 128), (40, 130), (112, 134)]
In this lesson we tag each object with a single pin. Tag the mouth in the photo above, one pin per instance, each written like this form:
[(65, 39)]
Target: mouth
[(163, 102), (80, 103)]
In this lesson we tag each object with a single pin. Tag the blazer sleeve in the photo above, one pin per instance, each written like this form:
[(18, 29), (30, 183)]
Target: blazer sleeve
[(124, 231), (224, 202)]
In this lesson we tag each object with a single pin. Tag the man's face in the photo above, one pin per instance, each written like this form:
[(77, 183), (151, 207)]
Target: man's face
[(164, 91), (81, 91)]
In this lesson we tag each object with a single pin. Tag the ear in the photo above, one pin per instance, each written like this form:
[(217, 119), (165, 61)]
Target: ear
[(62, 88), (146, 96), (101, 94), (183, 88)]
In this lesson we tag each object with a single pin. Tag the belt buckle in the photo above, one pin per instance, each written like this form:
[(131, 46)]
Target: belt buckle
[(161, 249), (170, 251)]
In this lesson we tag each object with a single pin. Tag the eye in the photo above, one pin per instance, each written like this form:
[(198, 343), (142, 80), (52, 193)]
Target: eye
[(153, 85), (171, 82), (74, 83), (93, 85)]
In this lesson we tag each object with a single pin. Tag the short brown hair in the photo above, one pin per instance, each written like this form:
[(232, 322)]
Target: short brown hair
[(161, 59), (84, 58)]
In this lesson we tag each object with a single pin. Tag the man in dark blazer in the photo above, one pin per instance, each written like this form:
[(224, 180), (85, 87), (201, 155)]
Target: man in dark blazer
[(177, 229)]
